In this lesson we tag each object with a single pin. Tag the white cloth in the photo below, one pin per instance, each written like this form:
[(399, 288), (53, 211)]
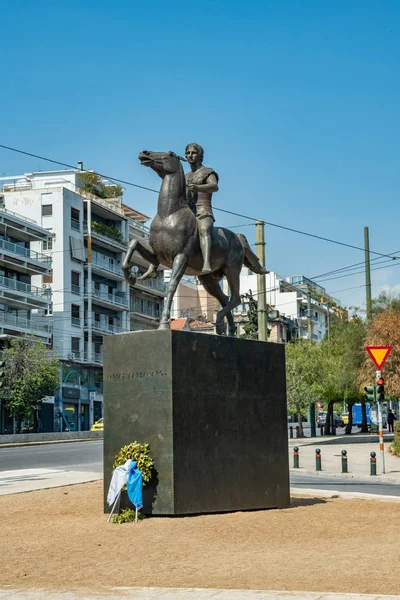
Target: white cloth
[(118, 480)]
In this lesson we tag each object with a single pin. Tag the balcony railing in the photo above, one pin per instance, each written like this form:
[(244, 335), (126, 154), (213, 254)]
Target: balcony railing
[(154, 284), (145, 310), (75, 288), (76, 321), (26, 253), (104, 327), (121, 300), (10, 212), (96, 357), (111, 268), (22, 323), (26, 288), (75, 224)]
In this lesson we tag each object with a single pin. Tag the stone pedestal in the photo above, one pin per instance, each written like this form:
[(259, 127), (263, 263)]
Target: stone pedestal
[(213, 410)]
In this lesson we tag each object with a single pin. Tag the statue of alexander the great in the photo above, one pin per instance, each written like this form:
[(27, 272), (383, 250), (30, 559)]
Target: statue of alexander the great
[(201, 182)]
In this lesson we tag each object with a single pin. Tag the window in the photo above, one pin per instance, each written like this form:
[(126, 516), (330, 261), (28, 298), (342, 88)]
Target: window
[(75, 347), (76, 315), (47, 244), (75, 282), (77, 249), (47, 210), (75, 219)]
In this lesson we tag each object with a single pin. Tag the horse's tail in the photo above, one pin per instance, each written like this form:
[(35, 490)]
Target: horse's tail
[(250, 259)]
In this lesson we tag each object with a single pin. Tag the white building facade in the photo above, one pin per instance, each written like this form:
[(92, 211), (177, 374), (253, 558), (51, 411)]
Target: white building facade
[(91, 299), (23, 305), (290, 301)]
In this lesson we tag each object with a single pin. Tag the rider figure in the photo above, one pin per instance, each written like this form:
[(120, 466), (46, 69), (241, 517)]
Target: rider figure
[(201, 182)]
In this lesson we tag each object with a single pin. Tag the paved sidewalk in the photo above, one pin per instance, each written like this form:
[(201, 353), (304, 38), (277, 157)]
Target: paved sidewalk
[(184, 594), (358, 458), (27, 480)]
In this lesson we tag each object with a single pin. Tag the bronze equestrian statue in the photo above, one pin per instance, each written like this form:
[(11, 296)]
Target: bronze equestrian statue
[(175, 243)]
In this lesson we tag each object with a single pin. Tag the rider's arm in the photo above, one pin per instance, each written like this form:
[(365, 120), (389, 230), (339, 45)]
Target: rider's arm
[(210, 186)]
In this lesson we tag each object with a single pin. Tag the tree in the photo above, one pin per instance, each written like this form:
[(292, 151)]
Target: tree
[(251, 325), (30, 374), (341, 356), (384, 301), (384, 330), (302, 365)]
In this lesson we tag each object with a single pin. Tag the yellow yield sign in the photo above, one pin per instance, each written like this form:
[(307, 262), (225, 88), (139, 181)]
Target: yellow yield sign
[(379, 354)]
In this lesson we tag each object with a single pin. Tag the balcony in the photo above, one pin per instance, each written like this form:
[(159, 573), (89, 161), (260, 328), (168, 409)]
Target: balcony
[(96, 358), (11, 322), (144, 310), (153, 284), (22, 294), (106, 236), (119, 301), (25, 259), (27, 229), (103, 328), (104, 267)]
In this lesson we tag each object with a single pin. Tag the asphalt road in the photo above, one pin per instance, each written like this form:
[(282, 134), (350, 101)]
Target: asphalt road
[(88, 456), (77, 456)]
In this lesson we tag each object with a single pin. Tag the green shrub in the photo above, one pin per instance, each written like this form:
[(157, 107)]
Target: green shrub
[(140, 453), (127, 516), (397, 433), (107, 231)]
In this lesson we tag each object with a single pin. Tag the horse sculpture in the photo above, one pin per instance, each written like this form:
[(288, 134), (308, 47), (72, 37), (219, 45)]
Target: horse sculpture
[(174, 243)]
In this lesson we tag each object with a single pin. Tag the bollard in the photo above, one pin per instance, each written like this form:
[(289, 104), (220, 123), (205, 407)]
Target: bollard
[(291, 432), (344, 461), (373, 463), (297, 431), (318, 466), (295, 457)]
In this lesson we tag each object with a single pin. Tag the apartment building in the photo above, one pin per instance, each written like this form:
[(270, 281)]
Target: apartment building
[(23, 305), (89, 235), (288, 298), (146, 297)]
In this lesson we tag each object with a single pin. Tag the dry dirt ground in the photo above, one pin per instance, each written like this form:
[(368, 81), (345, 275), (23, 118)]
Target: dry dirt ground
[(59, 539)]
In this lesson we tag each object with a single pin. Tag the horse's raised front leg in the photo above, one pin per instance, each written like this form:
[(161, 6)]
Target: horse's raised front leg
[(146, 252), (178, 269)]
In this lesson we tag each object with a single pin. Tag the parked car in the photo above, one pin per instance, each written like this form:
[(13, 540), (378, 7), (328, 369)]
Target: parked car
[(98, 426), (345, 418), (321, 420)]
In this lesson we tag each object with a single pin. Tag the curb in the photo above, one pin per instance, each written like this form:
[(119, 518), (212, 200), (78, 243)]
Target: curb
[(345, 495), (44, 442)]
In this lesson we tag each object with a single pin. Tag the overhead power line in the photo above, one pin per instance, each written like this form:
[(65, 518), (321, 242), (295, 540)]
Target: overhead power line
[(130, 183)]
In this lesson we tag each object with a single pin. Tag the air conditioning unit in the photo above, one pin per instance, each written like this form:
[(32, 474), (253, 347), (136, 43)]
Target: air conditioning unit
[(46, 286), (71, 356)]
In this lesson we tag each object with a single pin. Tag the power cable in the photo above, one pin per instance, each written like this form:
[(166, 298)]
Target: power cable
[(298, 231)]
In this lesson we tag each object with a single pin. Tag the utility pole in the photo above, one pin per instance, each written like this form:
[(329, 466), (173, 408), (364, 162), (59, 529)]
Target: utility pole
[(367, 275), (261, 287)]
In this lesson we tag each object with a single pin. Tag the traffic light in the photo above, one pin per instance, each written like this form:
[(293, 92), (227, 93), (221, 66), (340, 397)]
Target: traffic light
[(370, 393), (380, 389)]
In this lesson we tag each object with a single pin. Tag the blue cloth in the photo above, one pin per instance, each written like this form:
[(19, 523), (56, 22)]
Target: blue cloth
[(135, 486)]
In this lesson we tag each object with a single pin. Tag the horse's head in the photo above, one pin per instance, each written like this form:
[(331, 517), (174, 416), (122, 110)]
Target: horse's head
[(162, 162)]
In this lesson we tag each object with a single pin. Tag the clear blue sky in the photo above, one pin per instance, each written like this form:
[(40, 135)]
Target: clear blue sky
[(297, 104)]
